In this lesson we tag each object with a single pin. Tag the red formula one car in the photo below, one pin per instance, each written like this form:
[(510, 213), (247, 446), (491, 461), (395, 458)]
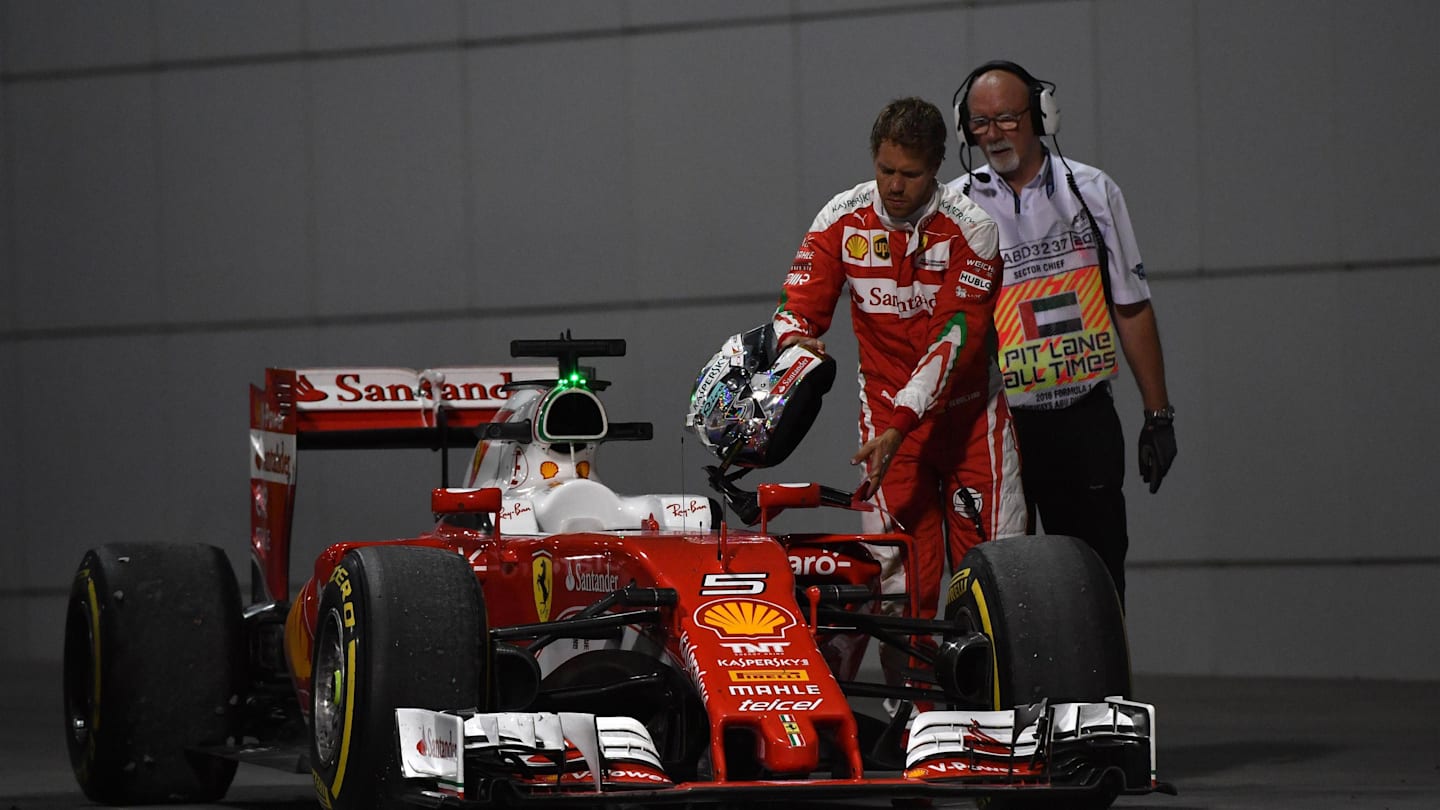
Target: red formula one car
[(550, 641)]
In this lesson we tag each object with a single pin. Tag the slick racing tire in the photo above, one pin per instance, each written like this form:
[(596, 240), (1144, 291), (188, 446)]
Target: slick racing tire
[(1056, 630), (1053, 618), (154, 669), (397, 626)]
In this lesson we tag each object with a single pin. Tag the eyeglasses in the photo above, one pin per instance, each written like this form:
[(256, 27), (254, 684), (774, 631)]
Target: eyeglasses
[(1006, 122)]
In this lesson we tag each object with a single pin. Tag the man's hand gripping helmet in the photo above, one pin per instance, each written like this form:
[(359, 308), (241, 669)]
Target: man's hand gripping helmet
[(752, 404)]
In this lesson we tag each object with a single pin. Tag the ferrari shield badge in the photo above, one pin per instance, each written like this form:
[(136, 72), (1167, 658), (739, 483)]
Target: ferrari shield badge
[(542, 570)]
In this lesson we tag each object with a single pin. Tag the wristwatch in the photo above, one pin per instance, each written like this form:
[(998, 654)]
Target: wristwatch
[(1165, 415)]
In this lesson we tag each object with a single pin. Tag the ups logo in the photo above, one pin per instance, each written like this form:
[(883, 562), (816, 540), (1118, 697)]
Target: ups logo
[(882, 246)]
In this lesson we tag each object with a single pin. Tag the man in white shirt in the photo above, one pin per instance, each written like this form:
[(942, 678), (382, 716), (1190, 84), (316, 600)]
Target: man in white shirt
[(1073, 288)]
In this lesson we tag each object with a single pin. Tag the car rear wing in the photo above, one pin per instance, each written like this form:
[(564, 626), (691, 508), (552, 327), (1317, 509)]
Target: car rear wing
[(357, 408)]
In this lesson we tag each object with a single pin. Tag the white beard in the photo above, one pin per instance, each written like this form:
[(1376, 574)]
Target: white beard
[(1005, 162)]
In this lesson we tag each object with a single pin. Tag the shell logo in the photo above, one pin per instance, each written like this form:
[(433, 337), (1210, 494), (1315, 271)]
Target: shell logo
[(549, 470), (745, 618), (857, 246)]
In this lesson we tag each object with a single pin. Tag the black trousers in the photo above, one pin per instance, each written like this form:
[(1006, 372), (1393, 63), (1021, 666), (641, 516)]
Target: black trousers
[(1072, 462)]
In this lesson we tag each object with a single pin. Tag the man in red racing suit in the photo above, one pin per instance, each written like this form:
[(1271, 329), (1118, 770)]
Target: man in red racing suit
[(923, 268)]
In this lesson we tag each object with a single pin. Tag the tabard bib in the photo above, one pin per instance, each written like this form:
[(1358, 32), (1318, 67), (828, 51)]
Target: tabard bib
[(1056, 337)]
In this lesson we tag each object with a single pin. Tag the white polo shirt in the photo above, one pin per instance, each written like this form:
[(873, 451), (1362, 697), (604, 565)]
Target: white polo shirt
[(1056, 338)]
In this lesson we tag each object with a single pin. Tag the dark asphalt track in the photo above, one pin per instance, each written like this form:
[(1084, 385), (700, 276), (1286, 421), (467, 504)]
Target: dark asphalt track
[(1224, 742)]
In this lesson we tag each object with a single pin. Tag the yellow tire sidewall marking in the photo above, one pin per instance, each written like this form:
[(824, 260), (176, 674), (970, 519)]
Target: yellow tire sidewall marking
[(990, 633), (349, 718), (93, 602)]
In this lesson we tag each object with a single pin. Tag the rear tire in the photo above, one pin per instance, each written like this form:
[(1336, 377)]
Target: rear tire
[(398, 626), (1057, 631), (154, 667)]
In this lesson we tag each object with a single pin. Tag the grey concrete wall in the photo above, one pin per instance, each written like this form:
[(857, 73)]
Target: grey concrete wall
[(192, 191)]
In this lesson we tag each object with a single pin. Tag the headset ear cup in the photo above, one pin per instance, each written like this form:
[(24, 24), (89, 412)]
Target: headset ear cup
[(962, 125), (1047, 112)]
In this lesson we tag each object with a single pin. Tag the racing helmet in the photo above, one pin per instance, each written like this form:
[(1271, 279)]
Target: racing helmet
[(751, 404)]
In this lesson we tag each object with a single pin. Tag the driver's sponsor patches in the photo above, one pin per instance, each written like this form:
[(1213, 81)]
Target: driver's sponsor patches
[(977, 279), (962, 499), (933, 257), (971, 285), (881, 296), (865, 247)]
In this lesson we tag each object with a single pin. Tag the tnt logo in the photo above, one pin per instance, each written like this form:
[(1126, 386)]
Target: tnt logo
[(756, 648)]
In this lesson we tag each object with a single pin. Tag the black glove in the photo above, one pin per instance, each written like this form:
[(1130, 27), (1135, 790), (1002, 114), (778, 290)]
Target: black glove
[(1157, 447)]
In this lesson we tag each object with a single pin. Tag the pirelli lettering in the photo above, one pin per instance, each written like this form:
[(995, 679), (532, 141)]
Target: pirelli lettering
[(753, 675)]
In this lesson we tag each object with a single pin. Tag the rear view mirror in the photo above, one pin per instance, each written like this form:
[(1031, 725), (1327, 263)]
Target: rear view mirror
[(465, 501)]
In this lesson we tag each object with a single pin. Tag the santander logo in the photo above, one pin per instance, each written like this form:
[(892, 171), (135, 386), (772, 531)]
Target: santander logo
[(431, 744), (274, 463), (338, 388)]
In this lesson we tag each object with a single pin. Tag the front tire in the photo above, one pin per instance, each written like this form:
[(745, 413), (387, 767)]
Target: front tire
[(398, 626), (154, 669), (1056, 630), (1053, 618)]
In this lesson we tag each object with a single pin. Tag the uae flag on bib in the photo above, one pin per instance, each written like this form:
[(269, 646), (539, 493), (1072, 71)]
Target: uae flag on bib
[(1056, 315)]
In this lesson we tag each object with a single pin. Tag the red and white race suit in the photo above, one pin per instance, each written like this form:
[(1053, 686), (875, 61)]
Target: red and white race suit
[(922, 300)]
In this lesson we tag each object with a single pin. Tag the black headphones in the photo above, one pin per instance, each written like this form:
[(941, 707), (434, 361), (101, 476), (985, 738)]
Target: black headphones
[(1044, 110)]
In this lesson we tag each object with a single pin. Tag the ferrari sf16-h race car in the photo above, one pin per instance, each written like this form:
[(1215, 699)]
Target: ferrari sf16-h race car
[(549, 641)]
